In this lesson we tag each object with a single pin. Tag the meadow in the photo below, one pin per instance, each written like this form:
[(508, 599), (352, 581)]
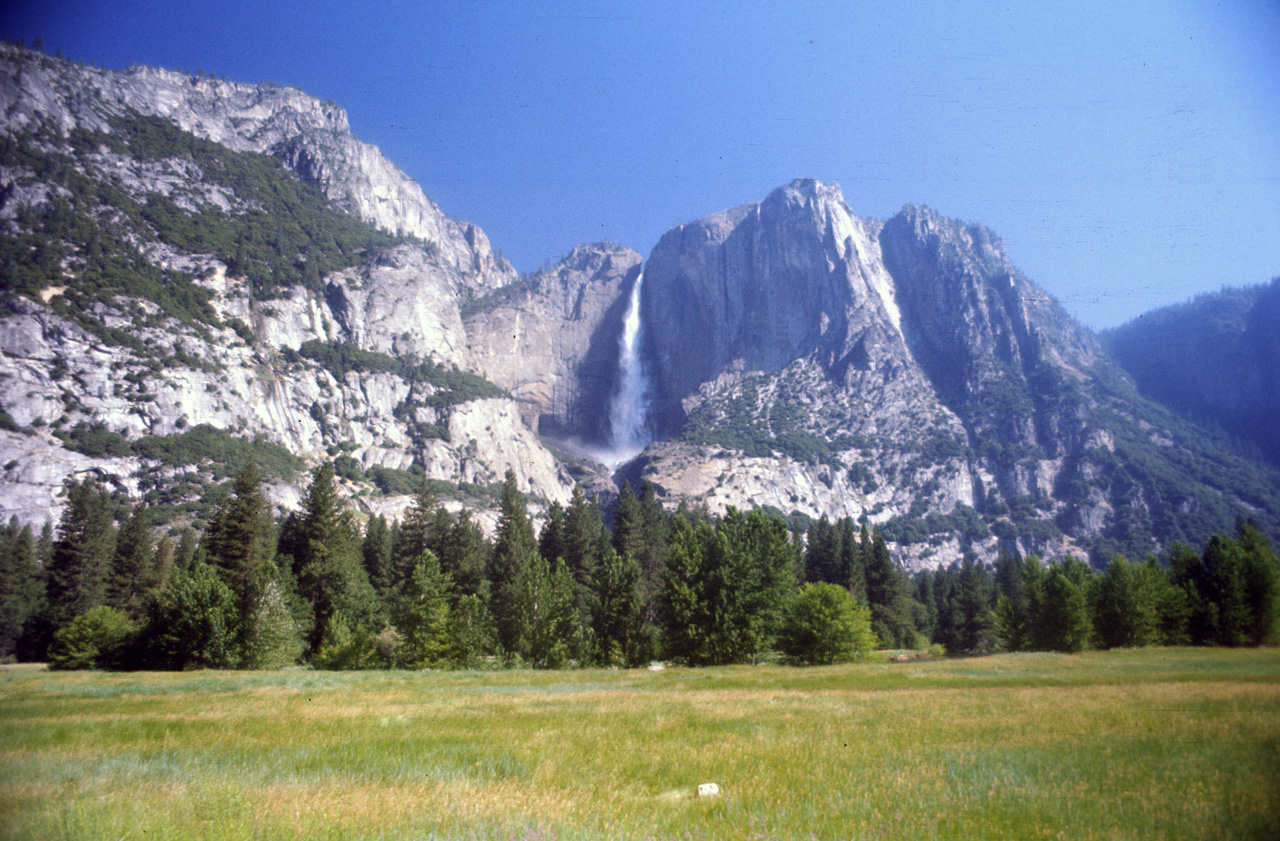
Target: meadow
[(1150, 743)]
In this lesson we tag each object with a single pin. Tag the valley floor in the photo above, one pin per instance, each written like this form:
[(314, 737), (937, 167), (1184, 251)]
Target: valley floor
[(1152, 743)]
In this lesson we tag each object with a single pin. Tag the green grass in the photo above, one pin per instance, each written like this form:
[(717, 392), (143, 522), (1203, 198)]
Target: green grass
[(1157, 743)]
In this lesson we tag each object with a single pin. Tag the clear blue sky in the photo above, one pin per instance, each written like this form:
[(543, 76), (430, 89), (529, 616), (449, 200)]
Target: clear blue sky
[(1127, 153)]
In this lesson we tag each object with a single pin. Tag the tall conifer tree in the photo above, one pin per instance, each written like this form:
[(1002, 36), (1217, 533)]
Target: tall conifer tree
[(513, 552)]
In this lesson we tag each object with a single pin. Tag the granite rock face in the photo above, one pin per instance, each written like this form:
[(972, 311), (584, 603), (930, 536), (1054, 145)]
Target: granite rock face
[(244, 375), (552, 340), (906, 372), (310, 136), (756, 287)]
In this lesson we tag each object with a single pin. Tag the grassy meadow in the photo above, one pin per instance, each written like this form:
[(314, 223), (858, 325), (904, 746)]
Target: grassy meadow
[(1153, 743)]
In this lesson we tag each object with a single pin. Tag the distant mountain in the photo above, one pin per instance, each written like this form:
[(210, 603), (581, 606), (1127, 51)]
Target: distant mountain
[(198, 272), (1215, 359), (907, 372)]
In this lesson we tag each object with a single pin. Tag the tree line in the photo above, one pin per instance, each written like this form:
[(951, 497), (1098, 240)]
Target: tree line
[(432, 591)]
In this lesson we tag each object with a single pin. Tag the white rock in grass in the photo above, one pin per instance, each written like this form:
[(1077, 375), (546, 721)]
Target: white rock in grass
[(708, 790)]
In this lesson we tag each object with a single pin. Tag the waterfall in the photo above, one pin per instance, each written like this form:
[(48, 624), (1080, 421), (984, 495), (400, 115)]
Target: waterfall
[(629, 410)]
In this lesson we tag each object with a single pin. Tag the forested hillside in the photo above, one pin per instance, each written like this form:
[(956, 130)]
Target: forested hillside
[(1215, 359)]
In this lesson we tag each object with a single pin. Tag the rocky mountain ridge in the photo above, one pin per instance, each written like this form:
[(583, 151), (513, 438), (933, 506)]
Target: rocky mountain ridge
[(184, 265), (908, 373)]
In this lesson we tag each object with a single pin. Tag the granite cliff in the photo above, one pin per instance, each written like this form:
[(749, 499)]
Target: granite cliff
[(906, 372), (198, 271)]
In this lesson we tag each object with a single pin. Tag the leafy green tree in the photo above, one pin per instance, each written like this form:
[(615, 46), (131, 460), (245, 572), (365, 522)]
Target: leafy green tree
[(1127, 610), (688, 611), (1225, 565), (621, 632), (1172, 608), (192, 623), (728, 587), (271, 635), (475, 636), (1010, 625), (96, 639), (345, 647), (824, 625), (424, 617), (547, 614)]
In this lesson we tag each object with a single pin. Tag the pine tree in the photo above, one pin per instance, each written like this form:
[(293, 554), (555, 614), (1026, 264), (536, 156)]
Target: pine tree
[(466, 556), (513, 552), (822, 561), (240, 541), (852, 565), (21, 588), (973, 605), (889, 597), (585, 537), (642, 530), (415, 533), (327, 560), (77, 576), (132, 565), (925, 605), (551, 539), (1261, 583), (375, 550), (1061, 611), (423, 617), (628, 525)]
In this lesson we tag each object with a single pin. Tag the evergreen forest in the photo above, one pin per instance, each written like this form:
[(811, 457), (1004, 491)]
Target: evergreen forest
[(104, 589)]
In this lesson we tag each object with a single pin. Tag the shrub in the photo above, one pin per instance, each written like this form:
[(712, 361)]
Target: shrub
[(97, 638), (343, 648)]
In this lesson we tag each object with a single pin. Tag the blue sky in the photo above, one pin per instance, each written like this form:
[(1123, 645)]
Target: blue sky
[(1127, 153)]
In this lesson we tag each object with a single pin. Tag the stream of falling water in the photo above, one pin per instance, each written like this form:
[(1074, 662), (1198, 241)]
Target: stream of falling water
[(629, 410)]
